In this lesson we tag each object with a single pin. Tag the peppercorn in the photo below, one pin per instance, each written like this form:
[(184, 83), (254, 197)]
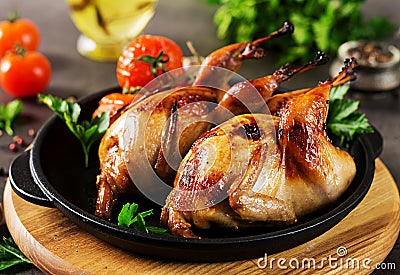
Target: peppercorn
[(12, 147), (18, 140), (31, 132)]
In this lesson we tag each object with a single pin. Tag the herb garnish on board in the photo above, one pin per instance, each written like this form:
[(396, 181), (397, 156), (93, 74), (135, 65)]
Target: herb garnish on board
[(8, 113), (10, 255)]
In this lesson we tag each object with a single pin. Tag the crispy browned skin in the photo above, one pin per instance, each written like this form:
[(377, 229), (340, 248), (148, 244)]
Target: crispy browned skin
[(270, 178), (231, 56), (241, 98), (114, 180), (115, 103), (151, 116), (216, 159), (277, 102)]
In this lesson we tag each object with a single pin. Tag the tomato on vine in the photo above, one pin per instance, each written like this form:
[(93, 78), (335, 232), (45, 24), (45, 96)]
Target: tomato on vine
[(24, 73), (19, 31), (145, 58)]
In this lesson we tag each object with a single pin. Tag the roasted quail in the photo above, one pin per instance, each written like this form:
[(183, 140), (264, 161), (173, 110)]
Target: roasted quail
[(259, 169), (147, 121)]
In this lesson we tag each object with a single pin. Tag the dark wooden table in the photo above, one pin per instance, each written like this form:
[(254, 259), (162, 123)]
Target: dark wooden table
[(181, 20)]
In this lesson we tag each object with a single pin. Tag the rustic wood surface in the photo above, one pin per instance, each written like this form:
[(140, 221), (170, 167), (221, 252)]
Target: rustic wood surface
[(354, 246)]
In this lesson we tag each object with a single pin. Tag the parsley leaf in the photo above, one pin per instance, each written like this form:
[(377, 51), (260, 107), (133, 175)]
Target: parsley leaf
[(338, 92), (10, 255), (127, 218), (87, 132), (8, 113), (343, 119)]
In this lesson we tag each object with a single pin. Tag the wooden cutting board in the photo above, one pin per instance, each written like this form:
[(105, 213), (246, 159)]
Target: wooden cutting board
[(354, 246)]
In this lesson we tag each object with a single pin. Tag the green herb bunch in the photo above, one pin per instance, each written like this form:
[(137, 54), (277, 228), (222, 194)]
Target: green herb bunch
[(319, 24)]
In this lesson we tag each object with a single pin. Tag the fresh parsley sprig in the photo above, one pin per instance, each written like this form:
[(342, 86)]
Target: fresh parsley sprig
[(8, 113), (10, 255), (344, 121), (87, 132), (128, 217)]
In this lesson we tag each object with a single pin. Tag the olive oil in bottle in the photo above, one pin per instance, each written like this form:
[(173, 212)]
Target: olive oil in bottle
[(107, 25)]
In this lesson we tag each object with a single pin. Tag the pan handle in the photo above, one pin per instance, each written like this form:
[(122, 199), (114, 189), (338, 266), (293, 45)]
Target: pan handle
[(24, 185)]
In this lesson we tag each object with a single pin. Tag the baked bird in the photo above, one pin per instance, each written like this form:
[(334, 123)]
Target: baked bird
[(261, 169)]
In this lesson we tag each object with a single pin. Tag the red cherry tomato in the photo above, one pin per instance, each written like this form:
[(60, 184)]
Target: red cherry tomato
[(24, 73), (132, 72), (114, 103), (18, 31)]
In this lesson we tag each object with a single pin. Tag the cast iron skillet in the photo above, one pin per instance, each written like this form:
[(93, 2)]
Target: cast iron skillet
[(52, 174)]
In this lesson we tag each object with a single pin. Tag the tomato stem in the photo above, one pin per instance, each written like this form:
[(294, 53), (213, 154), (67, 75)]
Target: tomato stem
[(19, 50), (156, 62), (14, 16), (131, 90)]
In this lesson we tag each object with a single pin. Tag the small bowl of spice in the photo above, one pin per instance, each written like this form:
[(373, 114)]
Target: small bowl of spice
[(379, 64)]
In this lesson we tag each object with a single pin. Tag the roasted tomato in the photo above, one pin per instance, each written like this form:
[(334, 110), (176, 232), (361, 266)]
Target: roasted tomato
[(18, 31), (115, 103), (144, 58), (24, 73)]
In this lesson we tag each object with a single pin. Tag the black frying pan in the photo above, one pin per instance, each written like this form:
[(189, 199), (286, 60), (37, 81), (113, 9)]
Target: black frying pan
[(52, 174)]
